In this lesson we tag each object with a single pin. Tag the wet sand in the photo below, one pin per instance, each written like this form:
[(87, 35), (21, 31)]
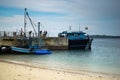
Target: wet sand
[(12, 70)]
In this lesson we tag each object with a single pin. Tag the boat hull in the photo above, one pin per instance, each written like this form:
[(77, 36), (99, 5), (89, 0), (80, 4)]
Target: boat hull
[(21, 50), (29, 51), (80, 44), (41, 52)]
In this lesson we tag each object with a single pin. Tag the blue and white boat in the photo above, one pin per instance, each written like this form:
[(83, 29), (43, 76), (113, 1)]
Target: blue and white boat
[(77, 40), (30, 51)]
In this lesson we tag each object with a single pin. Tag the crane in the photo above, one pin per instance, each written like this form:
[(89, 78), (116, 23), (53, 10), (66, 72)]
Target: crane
[(26, 15)]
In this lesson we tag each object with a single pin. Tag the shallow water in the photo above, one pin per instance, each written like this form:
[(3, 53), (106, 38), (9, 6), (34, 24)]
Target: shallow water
[(104, 57)]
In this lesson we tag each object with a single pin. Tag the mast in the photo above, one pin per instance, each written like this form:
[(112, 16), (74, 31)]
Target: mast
[(25, 21), (39, 40), (38, 29), (69, 28)]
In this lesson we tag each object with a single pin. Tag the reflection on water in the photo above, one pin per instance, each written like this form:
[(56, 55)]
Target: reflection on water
[(104, 57)]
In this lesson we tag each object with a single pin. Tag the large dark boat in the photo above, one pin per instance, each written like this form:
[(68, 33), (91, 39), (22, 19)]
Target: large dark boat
[(77, 40)]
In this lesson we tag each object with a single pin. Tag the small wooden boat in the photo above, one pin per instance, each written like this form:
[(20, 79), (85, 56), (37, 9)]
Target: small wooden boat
[(29, 51)]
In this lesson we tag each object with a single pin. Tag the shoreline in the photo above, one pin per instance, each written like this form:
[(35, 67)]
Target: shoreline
[(27, 71)]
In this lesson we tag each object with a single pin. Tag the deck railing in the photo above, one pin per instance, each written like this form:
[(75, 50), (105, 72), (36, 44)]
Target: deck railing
[(11, 34)]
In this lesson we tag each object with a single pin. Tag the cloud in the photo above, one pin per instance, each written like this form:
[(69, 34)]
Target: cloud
[(96, 14), (38, 5), (96, 9), (11, 23)]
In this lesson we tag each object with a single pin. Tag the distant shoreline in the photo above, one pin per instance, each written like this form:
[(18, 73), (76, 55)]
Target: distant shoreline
[(104, 36)]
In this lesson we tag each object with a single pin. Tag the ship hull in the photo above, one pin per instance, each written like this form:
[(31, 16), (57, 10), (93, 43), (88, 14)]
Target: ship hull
[(80, 44)]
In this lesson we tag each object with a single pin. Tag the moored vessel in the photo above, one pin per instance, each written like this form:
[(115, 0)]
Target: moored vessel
[(77, 40)]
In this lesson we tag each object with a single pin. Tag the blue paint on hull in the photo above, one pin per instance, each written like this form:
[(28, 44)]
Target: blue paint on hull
[(30, 51)]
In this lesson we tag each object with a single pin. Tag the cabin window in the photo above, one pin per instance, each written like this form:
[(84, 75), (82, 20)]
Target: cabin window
[(82, 36)]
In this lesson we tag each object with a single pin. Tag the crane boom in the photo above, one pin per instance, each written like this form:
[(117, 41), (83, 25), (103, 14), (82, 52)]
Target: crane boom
[(25, 22), (32, 23)]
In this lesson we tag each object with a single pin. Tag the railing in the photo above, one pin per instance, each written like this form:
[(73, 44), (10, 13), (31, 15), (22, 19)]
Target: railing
[(9, 34)]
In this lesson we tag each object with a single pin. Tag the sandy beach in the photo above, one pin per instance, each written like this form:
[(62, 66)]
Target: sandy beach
[(25, 71)]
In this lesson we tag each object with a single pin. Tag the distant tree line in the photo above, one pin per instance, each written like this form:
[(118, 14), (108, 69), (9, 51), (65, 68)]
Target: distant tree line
[(104, 36)]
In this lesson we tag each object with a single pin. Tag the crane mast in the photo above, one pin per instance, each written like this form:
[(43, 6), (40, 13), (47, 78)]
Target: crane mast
[(25, 20), (26, 15)]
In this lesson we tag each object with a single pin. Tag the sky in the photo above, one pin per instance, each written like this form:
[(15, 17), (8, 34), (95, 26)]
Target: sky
[(102, 17)]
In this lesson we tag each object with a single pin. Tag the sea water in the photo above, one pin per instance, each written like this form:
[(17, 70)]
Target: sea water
[(104, 57)]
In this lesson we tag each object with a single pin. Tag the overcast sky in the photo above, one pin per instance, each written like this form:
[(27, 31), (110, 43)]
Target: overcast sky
[(100, 16)]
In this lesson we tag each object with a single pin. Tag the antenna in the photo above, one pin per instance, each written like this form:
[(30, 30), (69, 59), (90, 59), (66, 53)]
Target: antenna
[(79, 27), (69, 28), (38, 29)]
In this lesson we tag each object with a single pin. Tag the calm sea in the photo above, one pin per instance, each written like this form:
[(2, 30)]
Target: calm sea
[(104, 57)]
